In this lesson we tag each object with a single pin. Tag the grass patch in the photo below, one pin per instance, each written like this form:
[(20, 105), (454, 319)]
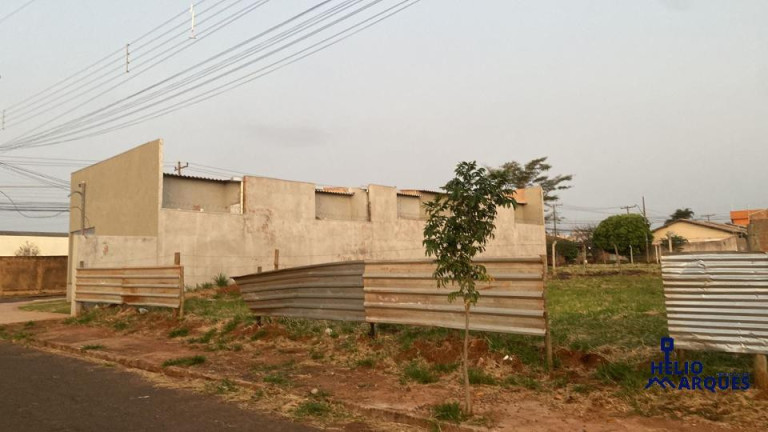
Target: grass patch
[(445, 368), (312, 408), (417, 372), (218, 309), (522, 381), (221, 280), (92, 347), (478, 376), (178, 332), (367, 362), (624, 374), (82, 319), (277, 378), (120, 325), (223, 387), (231, 325), (185, 361), (57, 306), (450, 412), (205, 338)]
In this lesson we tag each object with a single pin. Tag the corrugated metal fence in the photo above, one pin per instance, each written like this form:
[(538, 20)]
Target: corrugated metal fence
[(402, 292), (717, 301), (135, 286), (326, 291)]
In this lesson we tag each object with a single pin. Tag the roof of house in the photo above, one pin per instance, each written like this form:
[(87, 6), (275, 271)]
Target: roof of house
[(732, 229), (32, 234)]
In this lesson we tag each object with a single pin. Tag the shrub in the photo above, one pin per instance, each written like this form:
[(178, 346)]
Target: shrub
[(312, 408), (185, 361), (449, 411), (221, 280), (416, 372), (478, 376)]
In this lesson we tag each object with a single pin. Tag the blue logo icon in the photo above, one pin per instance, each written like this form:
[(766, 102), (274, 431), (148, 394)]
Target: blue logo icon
[(689, 375)]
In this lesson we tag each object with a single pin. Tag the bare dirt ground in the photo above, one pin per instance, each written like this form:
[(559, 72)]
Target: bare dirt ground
[(10, 312), (284, 371)]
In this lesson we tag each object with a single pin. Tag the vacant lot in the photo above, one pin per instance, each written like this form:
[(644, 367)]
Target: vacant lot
[(606, 329)]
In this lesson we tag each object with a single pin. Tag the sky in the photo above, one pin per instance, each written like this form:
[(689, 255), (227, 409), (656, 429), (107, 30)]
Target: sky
[(661, 99)]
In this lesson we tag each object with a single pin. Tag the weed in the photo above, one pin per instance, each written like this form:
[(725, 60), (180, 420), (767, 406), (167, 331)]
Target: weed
[(185, 361), (120, 325), (205, 338), (237, 347), (312, 408), (178, 332), (226, 386), (277, 378), (582, 388), (29, 324), (522, 381), (449, 411), (367, 362), (316, 355), (22, 336), (230, 325), (622, 373), (221, 280), (82, 319), (417, 372), (445, 368), (92, 347), (258, 334), (217, 309), (478, 376)]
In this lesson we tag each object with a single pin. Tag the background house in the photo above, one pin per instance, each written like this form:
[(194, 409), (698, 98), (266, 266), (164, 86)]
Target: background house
[(137, 215), (703, 235)]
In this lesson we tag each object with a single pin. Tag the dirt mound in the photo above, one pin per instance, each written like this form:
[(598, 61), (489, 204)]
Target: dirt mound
[(569, 358), (446, 351)]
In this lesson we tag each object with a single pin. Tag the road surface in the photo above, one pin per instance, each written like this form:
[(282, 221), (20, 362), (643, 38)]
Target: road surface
[(43, 392)]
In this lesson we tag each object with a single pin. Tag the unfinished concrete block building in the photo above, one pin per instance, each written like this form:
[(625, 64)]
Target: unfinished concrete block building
[(136, 215)]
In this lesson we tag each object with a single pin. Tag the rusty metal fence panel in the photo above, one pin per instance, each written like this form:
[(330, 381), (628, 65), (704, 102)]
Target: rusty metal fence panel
[(404, 292), (135, 286), (325, 291), (717, 301)]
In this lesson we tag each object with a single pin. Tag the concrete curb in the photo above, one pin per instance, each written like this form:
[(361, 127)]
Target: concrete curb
[(177, 372)]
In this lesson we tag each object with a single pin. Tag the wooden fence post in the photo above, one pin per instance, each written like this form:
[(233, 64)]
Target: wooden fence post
[(761, 372), (177, 262), (548, 333), (277, 259), (554, 258)]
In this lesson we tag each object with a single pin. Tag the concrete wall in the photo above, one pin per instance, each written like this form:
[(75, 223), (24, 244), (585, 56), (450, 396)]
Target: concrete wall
[(212, 196), (693, 233), (23, 276), (279, 215), (122, 193), (118, 251), (342, 206), (49, 245), (728, 244)]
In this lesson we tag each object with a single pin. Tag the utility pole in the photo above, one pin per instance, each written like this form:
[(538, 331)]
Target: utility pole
[(628, 207), (81, 192), (554, 217), (192, 34), (179, 167), (708, 216), (647, 246)]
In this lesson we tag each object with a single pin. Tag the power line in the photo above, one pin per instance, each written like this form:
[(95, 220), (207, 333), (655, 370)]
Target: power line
[(312, 49), (93, 84), (15, 11)]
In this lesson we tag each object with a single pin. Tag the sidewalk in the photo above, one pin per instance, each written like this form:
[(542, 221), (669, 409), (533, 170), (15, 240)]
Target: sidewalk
[(10, 313)]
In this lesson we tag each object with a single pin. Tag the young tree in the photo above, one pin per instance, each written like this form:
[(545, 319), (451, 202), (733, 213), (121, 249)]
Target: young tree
[(618, 233), (459, 225), (28, 249), (677, 241), (534, 173), (685, 213)]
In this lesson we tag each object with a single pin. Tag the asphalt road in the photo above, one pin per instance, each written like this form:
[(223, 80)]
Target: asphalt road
[(43, 392)]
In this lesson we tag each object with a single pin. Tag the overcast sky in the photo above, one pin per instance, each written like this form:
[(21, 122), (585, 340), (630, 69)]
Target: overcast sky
[(664, 99)]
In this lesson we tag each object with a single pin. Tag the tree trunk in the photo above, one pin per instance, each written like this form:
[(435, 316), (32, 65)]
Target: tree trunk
[(467, 395)]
